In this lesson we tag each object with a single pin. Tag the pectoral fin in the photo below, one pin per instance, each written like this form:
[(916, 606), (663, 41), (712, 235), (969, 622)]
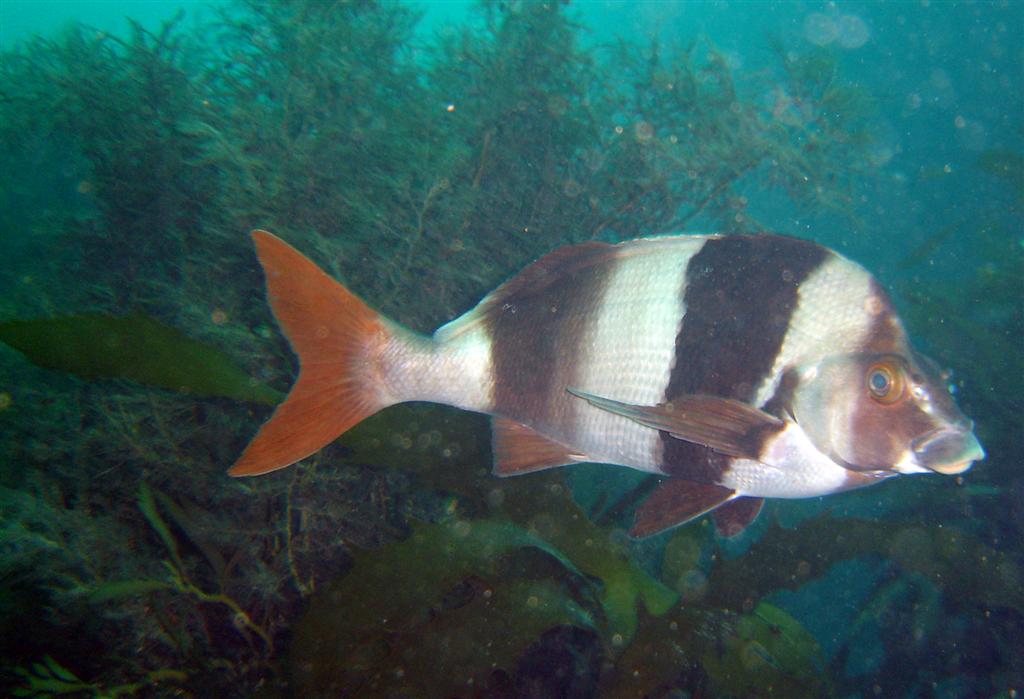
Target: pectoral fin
[(725, 425)]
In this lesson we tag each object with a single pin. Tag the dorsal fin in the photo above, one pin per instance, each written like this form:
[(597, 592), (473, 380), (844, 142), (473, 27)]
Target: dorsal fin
[(519, 449)]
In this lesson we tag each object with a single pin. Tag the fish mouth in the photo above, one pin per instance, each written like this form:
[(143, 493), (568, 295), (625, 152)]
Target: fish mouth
[(947, 450)]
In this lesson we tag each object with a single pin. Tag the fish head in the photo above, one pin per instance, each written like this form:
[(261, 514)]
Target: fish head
[(888, 412)]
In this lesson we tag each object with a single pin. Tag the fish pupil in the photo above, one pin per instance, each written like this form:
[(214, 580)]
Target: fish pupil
[(879, 382)]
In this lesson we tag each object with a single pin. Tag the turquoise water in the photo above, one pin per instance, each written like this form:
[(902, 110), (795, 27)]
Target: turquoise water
[(423, 153)]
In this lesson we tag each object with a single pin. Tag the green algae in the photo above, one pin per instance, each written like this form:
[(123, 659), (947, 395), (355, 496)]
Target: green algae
[(49, 678), (138, 348), (541, 504), (768, 652), (431, 615), (714, 652), (315, 120)]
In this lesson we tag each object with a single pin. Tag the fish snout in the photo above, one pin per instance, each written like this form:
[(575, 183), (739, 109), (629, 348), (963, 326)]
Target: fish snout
[(948, 450)]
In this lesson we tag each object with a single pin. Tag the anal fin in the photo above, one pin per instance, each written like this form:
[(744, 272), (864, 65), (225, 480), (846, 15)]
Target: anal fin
[(519, 449), (677, 501), (736, 515)]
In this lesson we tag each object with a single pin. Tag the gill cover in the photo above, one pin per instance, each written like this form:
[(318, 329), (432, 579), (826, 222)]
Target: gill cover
[(884, 412)]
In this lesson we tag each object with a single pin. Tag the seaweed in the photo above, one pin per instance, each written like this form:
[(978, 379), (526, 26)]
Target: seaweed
[(138, 348), (450, 599), (422, 171), (455, 597), (51, 679)]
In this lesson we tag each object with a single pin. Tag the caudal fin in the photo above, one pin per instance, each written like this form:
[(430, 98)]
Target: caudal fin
[(338, 339)]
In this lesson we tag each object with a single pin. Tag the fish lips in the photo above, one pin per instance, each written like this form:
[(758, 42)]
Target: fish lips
[(947, 450)]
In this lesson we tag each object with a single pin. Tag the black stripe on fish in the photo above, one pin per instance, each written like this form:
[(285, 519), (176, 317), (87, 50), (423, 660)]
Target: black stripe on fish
[(535, 321), (781, 401), (739, 296)]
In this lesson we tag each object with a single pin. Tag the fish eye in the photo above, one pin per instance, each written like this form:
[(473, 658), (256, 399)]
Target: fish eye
[(885, 382)]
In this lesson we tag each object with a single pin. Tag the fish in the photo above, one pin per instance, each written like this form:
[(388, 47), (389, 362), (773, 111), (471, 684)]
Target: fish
[(735, 367)]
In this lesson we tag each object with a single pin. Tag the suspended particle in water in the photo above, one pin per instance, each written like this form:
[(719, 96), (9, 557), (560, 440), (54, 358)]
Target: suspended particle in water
[(218, 317), (820, 29), (571, 188), (593, 159), (5, 400), (402, 441), (692, 584), (851, 32), (643, 131), (557, 105)]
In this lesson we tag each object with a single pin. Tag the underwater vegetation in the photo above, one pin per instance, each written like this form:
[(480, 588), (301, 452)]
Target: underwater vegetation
[(136, 356), (93, 346)]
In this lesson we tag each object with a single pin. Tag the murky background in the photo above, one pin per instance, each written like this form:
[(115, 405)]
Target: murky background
[(423, 153)]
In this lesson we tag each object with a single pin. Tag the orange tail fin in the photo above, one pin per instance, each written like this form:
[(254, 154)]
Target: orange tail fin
[(338, 339)]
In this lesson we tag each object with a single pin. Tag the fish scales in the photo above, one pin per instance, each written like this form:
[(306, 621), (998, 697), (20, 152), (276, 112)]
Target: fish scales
[(628, 350), (740, 294), (833, 314), (608, 328), (740, 367)]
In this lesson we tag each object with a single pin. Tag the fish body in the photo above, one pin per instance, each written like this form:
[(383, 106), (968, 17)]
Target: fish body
[(738, 367)]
